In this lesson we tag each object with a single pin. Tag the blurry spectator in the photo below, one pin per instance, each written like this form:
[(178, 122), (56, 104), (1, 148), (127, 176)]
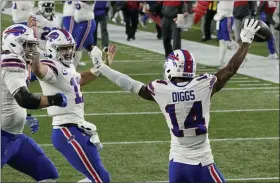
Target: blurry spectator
[(101, 17), (131, 12), (211, 11), (154, 11), (241, 11), (169, 29), (266, 10)]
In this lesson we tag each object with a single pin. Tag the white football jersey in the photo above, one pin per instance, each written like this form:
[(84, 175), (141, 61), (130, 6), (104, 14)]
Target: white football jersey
[(83, 11), (225, 8), (21, 10), (13, 76), (63, 79), (186, 107), (45, 26), (68, 8)]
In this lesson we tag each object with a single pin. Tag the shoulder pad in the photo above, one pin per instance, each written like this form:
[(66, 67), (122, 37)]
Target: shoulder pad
[(51, 63), (13, 63), (154, 86)]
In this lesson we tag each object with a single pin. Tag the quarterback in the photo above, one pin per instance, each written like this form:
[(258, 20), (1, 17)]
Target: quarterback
[(75, 138), (184, 100)]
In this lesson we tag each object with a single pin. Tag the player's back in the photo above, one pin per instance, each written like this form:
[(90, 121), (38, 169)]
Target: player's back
[(21, 11), (83, 11), (67, 82), (68, 8), (186, 107), (13, 73)]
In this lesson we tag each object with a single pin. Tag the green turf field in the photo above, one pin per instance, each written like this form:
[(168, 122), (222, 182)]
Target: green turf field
[(244, 124)]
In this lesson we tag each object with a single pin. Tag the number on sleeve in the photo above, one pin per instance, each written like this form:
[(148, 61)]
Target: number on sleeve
[(78, 99), (193, 120)]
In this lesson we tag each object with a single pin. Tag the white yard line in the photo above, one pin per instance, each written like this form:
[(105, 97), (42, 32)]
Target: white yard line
[(272, 91), (168, 141), (230, 179), (261, 84), (244, 81), (158, 112)]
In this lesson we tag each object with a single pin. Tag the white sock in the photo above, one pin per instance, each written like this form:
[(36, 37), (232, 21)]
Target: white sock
[(84, 180), (222, 51), (121, 15), (77, 59)]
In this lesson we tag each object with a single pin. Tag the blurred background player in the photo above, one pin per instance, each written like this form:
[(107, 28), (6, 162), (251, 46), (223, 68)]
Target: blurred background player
[(266, 11), (21, 10), (101, 17), (68, 16), (184, 101), (45, 21), (85, 27), (75, 138), (224, 18), (18, 150)]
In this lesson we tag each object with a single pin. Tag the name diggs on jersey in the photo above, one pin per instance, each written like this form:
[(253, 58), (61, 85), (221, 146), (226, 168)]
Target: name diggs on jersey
[(183, 96)]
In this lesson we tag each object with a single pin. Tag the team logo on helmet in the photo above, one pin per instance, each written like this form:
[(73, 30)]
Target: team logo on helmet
[(53, 36), (15, 31)]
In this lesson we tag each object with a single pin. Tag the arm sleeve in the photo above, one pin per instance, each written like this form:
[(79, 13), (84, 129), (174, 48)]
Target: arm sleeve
[(52, 73), (14, 80)]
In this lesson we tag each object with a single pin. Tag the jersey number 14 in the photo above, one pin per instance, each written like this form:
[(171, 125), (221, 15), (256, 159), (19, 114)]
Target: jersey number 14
[(194, 119)]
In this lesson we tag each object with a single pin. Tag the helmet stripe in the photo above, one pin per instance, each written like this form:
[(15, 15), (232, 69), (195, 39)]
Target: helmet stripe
[(188, 62), (66, 34)]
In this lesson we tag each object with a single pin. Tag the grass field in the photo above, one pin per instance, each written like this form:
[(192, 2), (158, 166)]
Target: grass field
[(243, 128)]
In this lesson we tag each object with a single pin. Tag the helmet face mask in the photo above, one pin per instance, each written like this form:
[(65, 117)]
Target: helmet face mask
[(46, 8), (66, 53)]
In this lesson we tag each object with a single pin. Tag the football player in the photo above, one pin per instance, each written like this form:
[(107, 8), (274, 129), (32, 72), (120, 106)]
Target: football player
[(21, 10), (224, 18), (75, 138), (18, 150), (44, 21), (85, 24), (68, 16), (184, 100)]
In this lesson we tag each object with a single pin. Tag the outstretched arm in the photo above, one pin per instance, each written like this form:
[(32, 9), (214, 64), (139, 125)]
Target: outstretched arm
[(120, 79), (247, 36)]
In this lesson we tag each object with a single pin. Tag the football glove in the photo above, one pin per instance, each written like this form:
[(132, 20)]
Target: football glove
[(249, 30), (32, 123)]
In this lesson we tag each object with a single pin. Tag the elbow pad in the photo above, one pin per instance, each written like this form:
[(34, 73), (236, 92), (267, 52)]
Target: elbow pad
[(26, 99)]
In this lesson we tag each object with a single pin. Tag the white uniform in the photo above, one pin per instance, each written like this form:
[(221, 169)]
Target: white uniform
[(13, 76), (83, 11), (45, 26), (62, 79), (187, 112), (68, 8), (22, 10), (224, 9)]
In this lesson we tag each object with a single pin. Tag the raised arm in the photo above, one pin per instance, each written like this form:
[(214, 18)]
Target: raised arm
[(247, 36), (39, 69), (120, 79)]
